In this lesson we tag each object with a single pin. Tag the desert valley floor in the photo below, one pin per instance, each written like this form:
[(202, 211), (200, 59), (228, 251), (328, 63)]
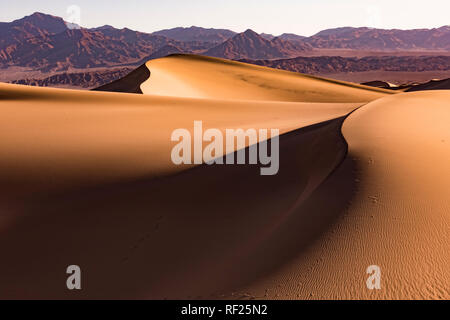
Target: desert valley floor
[(87, 179)]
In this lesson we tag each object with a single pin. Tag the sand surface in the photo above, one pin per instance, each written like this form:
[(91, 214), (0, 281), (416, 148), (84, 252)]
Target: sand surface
[(396, 215), (87, 179), (205, 77), (55, 137)]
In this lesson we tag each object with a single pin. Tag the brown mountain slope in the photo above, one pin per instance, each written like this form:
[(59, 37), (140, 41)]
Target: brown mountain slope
[(81, 48), (196, 34), (44, 42), (85, 80), (314, 65), (291, 48), (252, 45), (37, 24), (382, 39), (291, 36), (73, 48), (165, 51)]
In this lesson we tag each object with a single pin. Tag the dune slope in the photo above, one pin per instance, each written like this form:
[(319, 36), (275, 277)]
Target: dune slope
[(205, 77), (398, 216), (91, 172), (55, 138), (200, 233), (86, 178), (129, 84), (432, 85)]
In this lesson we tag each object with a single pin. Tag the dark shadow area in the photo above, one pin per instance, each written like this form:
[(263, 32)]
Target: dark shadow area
[(196, 234), (431, 85), (131, 83)]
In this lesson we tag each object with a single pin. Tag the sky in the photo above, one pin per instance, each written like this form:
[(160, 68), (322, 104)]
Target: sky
[(303, 17)]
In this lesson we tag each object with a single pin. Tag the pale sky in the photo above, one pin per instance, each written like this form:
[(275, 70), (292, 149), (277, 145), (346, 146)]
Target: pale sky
[(276, 16)]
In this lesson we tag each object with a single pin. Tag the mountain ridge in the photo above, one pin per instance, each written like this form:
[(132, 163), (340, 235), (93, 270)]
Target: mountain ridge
[(365, 38), (48, 43), (195, 33), (252, 45)]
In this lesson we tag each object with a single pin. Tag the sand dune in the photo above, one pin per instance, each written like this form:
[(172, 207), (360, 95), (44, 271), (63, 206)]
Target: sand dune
[(205, 77), (54, 137), (128, 84), (183, 236), (86, 179), (397, 217), (432, 85)]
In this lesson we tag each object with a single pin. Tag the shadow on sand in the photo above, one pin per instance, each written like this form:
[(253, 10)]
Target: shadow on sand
[(202, 232)]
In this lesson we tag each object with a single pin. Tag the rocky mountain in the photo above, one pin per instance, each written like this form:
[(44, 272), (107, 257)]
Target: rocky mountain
[(196, 34), (251, 45), (16, 33), (267, 36), (37, 24), (291, 37), (165, 51), (153, 41), (81, 48), (85, 80), (291, 48), (45, 43), (381, 39), (329, 64)]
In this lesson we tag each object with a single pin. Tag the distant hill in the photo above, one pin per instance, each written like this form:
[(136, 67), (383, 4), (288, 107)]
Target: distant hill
[(251, 45), (37, 24), (165, 51), (79, 48), (16, 33), (291, 36), (381, 39), (325, 64), (47, 43), (44, 42), (196, 34), (267, 36), (85, 80)]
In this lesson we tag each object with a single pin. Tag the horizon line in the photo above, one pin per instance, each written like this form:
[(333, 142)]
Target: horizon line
[(223, 28)]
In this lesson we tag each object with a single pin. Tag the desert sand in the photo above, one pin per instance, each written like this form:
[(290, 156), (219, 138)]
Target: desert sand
[(205, 77), (87, 179), (395, 178)]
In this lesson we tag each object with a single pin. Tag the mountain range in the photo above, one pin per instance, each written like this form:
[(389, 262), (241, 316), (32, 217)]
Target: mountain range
[(48, 43), (381, 39), (335, 64), (251, 45), (197, 34), (82, 80)]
